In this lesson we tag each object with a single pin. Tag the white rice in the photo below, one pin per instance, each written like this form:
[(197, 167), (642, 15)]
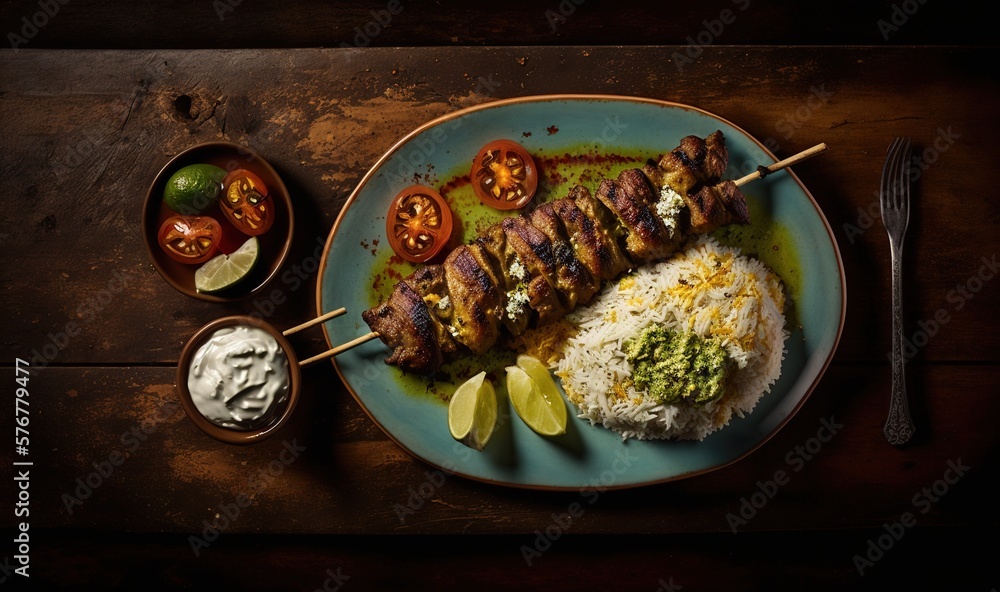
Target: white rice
[(726, 295)]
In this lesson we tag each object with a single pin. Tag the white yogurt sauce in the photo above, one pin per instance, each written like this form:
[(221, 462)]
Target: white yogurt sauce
[(239, 377)]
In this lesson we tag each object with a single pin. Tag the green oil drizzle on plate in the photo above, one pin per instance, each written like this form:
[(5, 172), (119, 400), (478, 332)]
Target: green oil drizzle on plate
[(772, 243), (440, 388)]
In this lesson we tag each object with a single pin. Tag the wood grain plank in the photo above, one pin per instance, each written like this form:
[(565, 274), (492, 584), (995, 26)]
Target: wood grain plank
[(196, 24), (88, 130), (113, 451)]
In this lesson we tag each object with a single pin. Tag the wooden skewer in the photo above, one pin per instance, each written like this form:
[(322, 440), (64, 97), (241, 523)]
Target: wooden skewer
[(330, 315), (763, 171), (340, 348)]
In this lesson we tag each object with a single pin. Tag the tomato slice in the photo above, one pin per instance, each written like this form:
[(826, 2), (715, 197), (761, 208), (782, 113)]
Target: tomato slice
[(190, 239), (419, 223), (504, 175), (245, 202)]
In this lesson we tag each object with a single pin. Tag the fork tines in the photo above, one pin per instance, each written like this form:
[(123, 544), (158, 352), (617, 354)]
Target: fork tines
[(896, 176)]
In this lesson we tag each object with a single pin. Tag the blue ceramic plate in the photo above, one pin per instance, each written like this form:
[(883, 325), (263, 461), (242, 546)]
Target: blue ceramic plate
[(568, 133)]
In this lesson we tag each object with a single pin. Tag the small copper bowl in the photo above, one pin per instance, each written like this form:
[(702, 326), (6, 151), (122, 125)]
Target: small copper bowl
[(274, 244), (235, 435)]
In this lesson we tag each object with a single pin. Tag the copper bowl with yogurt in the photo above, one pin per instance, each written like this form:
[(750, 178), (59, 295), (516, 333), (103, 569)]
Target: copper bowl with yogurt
[(238, 379)]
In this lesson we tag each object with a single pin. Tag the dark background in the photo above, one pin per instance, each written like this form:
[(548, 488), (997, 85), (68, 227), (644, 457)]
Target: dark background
[(197, 24), (741, 562)]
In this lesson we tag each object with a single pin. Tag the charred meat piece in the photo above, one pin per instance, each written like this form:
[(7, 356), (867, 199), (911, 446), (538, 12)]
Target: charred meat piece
[(516, 315), (429, 283), (585, 239), (405, 325), (544, 300), (589, 221), (487, 264), (526, 267), (708, 158), (573, 280), (694, 161), (631, 198), (535, 253), (714, 206), (476, 301)]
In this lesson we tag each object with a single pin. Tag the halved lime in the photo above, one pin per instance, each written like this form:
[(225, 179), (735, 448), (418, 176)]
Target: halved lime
[(541, 407), (541, 375), (224, 271), (472, 412), (193, 189)]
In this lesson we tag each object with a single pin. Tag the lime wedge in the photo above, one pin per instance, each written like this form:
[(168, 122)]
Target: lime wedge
[(540, 374), (541, 407), (224, 271), (472, 412)]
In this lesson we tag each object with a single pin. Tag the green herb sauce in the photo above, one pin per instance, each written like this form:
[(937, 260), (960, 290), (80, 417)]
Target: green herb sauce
[(772, 243), (676, 367)]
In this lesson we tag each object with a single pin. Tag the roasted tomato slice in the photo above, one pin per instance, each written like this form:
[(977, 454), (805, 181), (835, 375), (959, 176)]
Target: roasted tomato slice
[(245, 202), (419, 223), (190, 239), (504, 175)]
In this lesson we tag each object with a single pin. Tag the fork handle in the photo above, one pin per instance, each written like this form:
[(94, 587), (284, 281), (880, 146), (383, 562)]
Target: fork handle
[(899, 425)]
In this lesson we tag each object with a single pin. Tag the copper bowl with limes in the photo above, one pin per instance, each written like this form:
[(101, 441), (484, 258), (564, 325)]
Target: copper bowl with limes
[(233, 264)]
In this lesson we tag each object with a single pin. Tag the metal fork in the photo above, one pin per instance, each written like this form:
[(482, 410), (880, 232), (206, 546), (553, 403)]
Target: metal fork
[(894, 200)]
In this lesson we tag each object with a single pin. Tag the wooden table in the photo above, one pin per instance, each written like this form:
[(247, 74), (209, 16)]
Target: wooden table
[(122, 481)]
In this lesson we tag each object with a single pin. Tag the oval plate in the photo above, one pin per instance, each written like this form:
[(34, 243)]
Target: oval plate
[(587, 456)]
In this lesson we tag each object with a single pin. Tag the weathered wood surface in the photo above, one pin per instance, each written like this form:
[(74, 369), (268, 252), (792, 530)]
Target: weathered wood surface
[(86, 131), (198, 24), (347, 477)]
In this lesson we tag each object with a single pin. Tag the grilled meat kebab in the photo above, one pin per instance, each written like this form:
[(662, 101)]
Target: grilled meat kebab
[(532, 269)]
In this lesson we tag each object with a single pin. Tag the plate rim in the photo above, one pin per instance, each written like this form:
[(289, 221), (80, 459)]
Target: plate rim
[(543, 98)]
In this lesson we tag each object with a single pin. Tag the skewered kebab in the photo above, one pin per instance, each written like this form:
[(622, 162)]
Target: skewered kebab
[(532, 269)]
